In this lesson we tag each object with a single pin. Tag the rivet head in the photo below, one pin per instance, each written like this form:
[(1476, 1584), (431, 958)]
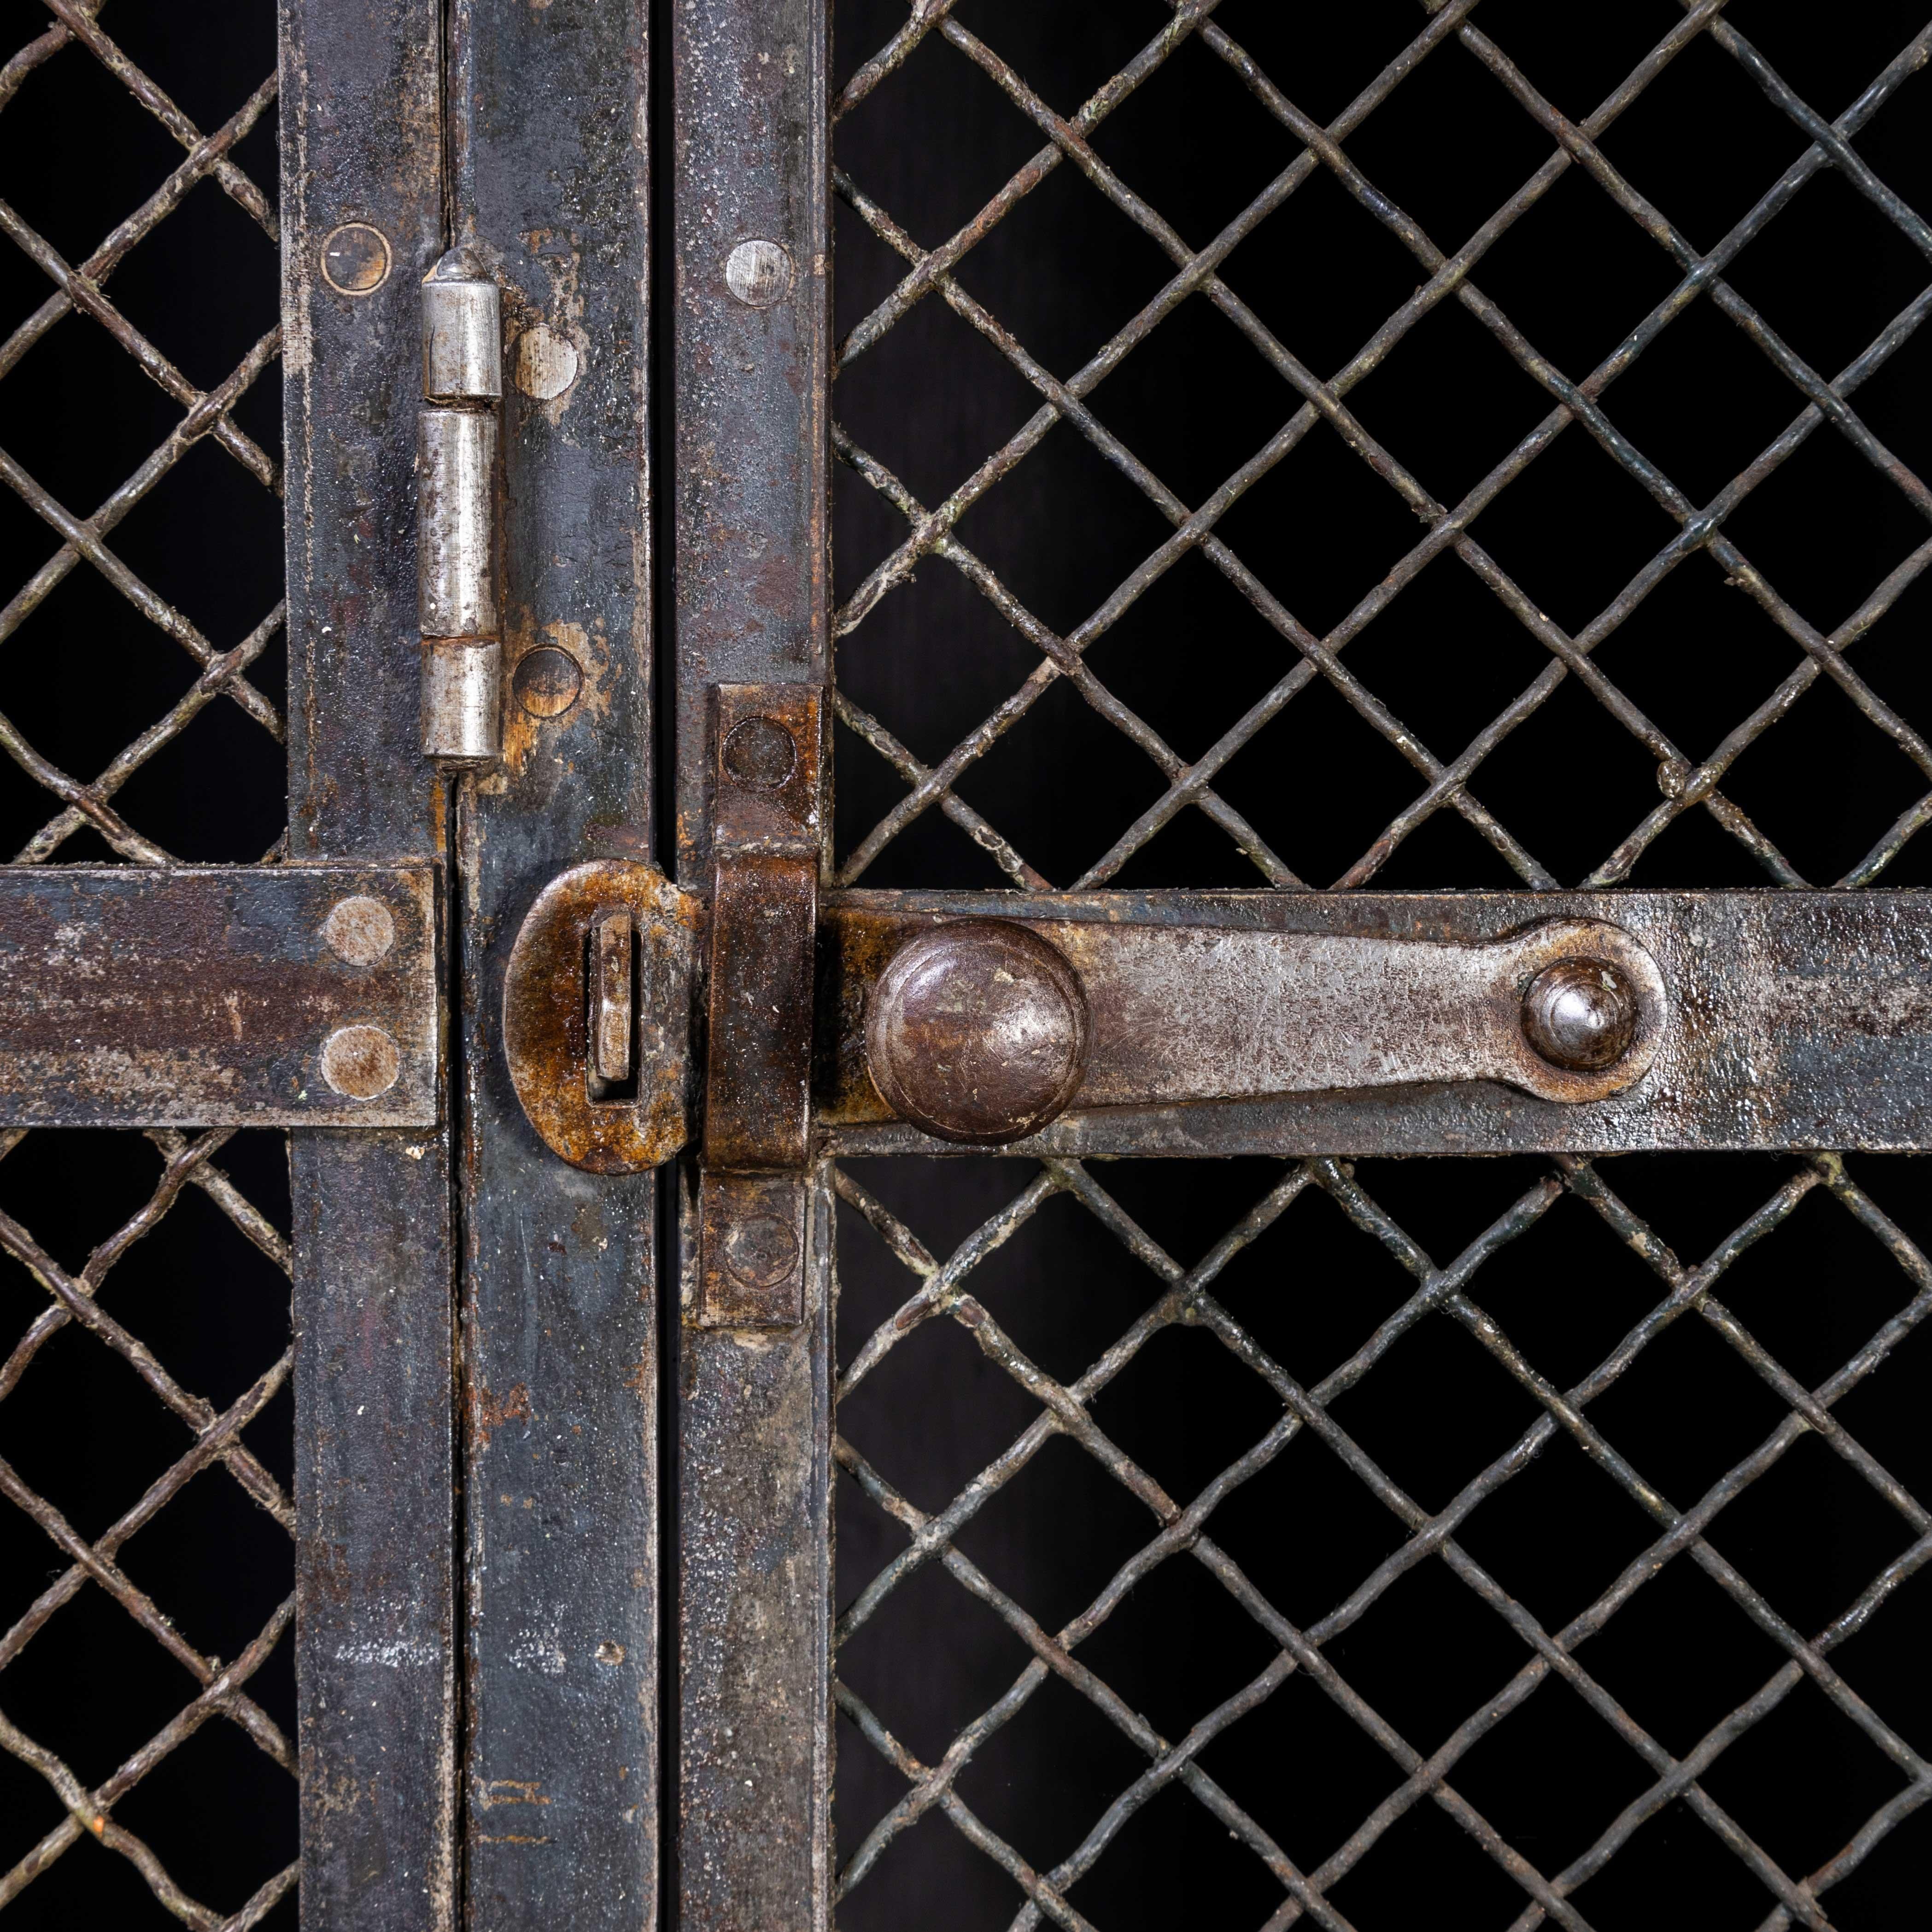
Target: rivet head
[(356, 259), (360, 930), (360, 1062), (758, 273), (978, 1032), (759, 753), (760, 1250), (1580, 1014), (546, 682), (543, 364)]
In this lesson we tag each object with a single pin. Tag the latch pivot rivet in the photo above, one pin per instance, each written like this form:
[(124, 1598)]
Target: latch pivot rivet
[(1580, 1014)]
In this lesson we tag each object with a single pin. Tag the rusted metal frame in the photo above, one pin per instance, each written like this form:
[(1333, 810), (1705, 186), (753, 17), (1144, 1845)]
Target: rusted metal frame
[(1321, 396), (862, 724), (1685, 1289), (185, 1162), (76, 1298), (1429, 1778), (1073, 1419), (1822, 134), (78, 19), (932, 1536), (1904, 64), (1187, 14), (31, 56), (140, 1606), (374, 1487), (752, 1417), (1683, 1532), (160, 204), (1751, 982), (117, 505), (548, 183), (1194, 271), (87, 803), (926, 14)]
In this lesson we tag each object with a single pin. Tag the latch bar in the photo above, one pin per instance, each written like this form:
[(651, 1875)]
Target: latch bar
[(243, 995)]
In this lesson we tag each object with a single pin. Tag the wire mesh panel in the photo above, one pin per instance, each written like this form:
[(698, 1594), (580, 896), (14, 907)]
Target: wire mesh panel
[(146, 1564), (1441, 446)]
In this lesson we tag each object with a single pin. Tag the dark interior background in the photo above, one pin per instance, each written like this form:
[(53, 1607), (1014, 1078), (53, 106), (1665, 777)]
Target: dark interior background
[(85, 673), (931, 401)]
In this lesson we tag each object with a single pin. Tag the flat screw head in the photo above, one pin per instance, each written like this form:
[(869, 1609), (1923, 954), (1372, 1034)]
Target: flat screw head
[(1580, 1014), (546, 681), (759, 753), (758, 273), (978, 1032), (360, 1062), (359, 929), (356, 259)]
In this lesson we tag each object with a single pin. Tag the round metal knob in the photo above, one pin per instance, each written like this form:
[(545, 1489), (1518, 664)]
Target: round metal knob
[(978, 1032), (1580, 1014)]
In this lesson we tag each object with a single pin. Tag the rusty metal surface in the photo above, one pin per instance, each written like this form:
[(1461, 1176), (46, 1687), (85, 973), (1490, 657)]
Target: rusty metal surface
[(1792, 1019), (751, 1248), (754, 1580), (758, 1043), (750, 342), (560, 1310), (556, 983), (979, 1030), (218, 996), (375, 1437), (750, 355)]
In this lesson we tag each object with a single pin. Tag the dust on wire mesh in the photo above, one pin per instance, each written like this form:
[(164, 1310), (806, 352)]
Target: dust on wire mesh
[(147, 1766)]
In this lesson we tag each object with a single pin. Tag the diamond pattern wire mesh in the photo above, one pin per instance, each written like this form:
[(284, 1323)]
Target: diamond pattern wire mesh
[(91, 1568), (1444, 1292), (1446, 781), (1316, 406), (78, 298)]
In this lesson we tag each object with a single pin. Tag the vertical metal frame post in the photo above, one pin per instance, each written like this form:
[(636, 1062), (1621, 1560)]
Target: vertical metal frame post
[(362, 221), (753, 1403), (560, 1309)]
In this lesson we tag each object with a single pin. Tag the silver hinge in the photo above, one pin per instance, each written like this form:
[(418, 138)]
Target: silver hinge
[(456, 528)]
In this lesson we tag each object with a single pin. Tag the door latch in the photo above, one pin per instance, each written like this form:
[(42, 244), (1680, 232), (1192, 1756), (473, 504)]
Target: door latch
[(640, 1017)]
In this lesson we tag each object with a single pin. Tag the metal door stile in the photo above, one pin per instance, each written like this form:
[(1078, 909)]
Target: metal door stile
[(362, 216), (560, 1310), (753, 1406)]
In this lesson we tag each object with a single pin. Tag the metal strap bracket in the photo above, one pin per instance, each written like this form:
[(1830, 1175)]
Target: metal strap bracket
[(245, 995)]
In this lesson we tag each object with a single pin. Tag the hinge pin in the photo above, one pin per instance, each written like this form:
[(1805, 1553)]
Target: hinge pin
[(456, 470)]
